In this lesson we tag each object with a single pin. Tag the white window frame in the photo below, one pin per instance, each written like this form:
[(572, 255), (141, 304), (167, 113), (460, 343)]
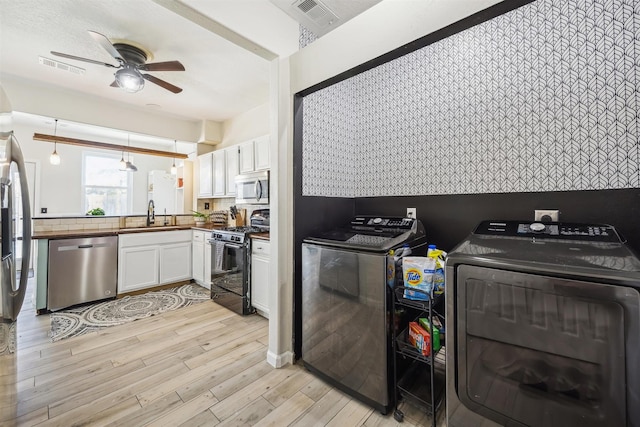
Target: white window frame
[(116, 159)]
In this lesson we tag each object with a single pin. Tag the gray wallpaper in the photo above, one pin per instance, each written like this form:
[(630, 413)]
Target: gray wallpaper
[(543, 98)]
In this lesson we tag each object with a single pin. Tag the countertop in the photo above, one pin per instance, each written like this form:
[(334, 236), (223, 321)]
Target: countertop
[(260, 236), (104, 232)]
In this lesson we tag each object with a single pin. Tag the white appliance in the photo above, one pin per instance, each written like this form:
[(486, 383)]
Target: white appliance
[(252, 188), (162, 190), (15, 218)]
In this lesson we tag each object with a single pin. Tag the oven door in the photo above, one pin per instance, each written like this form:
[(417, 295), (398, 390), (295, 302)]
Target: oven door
[(545, 351), (230, 276)]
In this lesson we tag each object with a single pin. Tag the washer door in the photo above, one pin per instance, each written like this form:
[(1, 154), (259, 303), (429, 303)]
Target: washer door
[(544, 351)]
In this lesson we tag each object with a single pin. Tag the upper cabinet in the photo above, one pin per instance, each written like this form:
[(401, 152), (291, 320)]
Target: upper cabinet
[(219, 174), (254, 155), (218, 169), (232, 156), (246, 157), (205, 164), (261, 153)]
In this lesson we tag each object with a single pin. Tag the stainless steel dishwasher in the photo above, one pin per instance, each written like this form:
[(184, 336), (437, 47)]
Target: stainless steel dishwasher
[(81, 270)]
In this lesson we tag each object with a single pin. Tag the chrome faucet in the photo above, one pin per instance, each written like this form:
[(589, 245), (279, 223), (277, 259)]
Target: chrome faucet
[(151, 215)]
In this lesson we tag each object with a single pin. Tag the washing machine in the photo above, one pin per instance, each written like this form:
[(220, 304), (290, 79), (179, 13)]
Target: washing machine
[(543, 327)]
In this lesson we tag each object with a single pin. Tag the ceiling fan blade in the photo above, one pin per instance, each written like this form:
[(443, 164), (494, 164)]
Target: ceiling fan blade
[(106, 44), (168, 86), (162, 66), (77, 58)]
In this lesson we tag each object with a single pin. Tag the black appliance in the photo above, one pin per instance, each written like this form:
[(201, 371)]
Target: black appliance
[(543, 327), (231, 263), (346, 304)]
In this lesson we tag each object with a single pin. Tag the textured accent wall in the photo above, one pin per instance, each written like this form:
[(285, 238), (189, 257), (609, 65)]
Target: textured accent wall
[(543, 98)]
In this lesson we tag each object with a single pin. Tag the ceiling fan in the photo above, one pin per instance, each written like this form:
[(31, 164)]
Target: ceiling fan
[(132, 61)]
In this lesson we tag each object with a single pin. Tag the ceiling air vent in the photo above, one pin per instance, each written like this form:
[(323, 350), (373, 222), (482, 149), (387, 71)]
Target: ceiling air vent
[(61, 65), (316, 12)]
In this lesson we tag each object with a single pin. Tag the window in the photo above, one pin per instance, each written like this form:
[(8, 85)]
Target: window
[(105, 185)]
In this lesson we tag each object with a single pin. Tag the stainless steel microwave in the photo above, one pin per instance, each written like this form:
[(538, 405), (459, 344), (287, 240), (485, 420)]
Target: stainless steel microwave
[(252, 188)]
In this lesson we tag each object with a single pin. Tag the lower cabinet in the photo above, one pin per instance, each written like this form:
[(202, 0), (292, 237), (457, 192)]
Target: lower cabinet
[(201, 261), (151, 259), (260, 266)]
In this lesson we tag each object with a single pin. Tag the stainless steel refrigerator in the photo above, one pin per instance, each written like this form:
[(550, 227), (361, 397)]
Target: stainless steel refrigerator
[(15, 227)]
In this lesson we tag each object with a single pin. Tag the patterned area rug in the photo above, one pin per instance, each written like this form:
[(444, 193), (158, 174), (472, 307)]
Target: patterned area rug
[(81, 320)]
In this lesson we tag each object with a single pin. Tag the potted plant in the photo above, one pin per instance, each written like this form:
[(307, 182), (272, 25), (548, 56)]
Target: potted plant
[(200, 218), (95, 211)]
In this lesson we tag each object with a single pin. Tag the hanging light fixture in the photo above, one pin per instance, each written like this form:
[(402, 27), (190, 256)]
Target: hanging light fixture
[(54, 159), (129, 167), (123, 163), (174, 169)]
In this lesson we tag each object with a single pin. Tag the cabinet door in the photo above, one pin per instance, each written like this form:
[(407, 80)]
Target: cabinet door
[(207, 266), (197, 262), (262, 153), (206, 175), (138, 268), (246, 157), (219, 173), (233, 159), (175, 262), (260, 276)]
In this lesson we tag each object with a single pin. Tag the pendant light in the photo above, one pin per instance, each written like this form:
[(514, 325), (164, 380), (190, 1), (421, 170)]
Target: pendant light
[(54, 159), (123, 163), (129, 167), (174, 169)]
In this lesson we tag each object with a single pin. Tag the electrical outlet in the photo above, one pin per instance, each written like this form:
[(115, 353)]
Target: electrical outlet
[(43, 210), (547, 215), (206, 205), (411, 212)]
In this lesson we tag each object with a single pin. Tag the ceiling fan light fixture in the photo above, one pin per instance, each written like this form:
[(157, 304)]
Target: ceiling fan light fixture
[(129, 79)]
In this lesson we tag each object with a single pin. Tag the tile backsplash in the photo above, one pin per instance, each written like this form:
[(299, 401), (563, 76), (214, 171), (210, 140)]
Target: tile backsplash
[(543, 98)]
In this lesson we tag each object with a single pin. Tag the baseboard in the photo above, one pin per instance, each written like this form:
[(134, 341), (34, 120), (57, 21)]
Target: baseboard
[(279, 360)]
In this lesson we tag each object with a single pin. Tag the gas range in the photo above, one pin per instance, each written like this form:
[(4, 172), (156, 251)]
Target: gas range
[(234, 234)]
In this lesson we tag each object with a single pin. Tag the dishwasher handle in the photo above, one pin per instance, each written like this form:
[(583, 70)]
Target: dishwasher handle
[(84, 246)]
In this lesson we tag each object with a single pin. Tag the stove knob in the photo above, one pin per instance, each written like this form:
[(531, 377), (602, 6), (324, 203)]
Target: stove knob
[(537, 227), (377, 220)]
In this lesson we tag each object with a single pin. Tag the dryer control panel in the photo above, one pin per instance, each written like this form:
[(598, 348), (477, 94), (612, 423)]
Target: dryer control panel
[(550, 230)]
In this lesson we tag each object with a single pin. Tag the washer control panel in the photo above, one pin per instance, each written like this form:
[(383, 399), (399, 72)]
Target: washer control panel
[(553, 230)]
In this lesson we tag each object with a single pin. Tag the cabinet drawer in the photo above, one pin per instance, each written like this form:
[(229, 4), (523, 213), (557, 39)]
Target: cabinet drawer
[(198, 236), (260, 247)]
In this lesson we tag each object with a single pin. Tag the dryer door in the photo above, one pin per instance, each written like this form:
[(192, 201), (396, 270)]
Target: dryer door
[(545, 351)]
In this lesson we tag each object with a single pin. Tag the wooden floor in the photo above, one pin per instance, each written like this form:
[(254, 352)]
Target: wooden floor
[(197, 366)]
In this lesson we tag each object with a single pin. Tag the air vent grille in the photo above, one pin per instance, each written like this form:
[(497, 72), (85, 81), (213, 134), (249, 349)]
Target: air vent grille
[(61, 65), (317, 12)]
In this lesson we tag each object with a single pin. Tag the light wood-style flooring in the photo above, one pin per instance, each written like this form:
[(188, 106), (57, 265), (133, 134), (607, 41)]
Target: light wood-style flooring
[(197, 366)]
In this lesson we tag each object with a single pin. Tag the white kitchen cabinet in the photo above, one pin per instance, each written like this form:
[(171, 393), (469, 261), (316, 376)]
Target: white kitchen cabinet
[(201, 261), (261, 153), (260, 266), (219, 173), (246, 157), (232, 157), (175, 262), (138, 268), (205, 165), (154, 258)]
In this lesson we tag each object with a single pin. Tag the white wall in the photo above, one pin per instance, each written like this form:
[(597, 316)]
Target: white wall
[(60, 188), (49, 101), (245, 126), (381, 29)]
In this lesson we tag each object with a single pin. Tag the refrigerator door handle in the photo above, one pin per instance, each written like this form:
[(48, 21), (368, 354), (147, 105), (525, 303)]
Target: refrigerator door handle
[(17, 296)]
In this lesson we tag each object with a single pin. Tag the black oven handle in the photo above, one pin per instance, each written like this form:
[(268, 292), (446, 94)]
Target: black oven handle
[(230, 245)]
